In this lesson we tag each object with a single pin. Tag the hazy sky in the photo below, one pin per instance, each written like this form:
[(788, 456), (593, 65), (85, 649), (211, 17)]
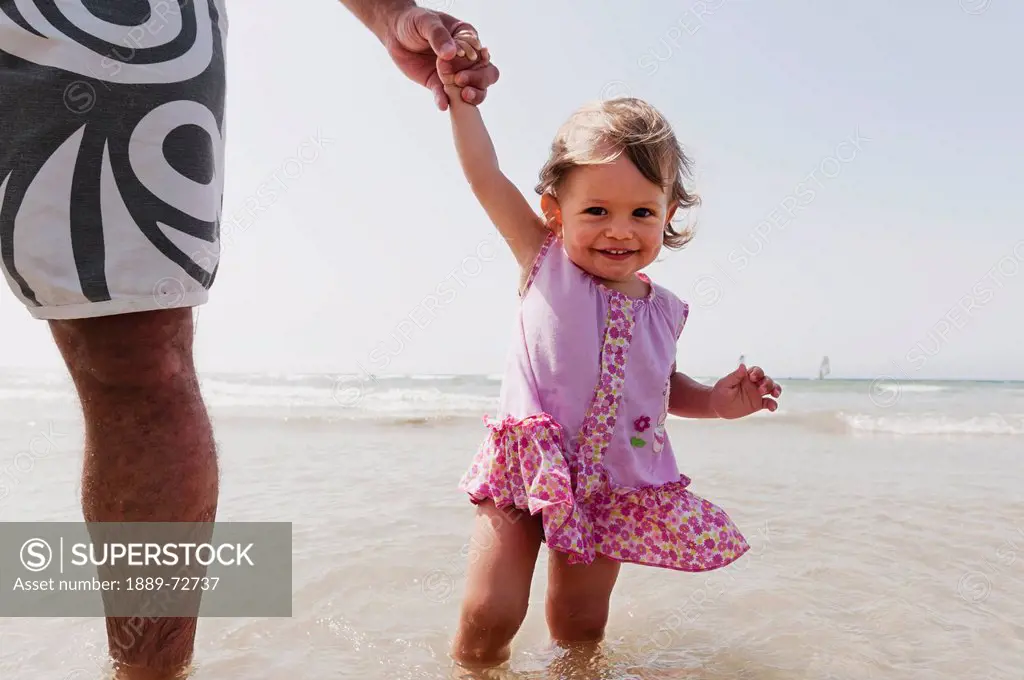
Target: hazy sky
[(859, 164)]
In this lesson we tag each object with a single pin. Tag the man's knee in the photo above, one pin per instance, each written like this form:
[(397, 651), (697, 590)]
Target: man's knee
[(128, 350)]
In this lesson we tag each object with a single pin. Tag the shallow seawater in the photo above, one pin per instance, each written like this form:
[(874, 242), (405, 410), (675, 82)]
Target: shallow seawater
[(874, 553)]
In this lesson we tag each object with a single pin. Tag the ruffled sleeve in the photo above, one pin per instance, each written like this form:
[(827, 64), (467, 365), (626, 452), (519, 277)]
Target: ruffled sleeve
[(682, 315), (676, 309)]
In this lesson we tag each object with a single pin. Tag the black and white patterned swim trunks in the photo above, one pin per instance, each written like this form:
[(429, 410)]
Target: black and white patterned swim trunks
[(111, 153)]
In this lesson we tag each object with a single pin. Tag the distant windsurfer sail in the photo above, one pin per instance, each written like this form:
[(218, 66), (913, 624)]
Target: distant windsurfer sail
[(824, 369)]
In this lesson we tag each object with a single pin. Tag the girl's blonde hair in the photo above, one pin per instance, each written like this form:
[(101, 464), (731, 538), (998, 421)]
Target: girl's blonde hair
[(601, 132)]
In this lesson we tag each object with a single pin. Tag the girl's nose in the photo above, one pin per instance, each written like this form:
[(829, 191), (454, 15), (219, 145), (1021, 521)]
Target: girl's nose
[(620, 229)]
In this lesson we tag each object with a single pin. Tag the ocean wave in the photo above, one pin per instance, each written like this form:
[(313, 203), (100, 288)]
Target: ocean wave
[(406, 399), (38, 393), (904, 387), (840, 410), (903, 424), (418, 402), (894, 424), (934, 424), (351, 399)]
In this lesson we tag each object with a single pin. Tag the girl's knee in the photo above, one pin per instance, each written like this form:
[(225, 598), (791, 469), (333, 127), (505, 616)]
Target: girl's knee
[(577, 619), (486, 630), (495, 619)]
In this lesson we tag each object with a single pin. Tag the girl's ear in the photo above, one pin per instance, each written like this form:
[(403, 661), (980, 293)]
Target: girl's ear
[(671, 212), (552, 212)]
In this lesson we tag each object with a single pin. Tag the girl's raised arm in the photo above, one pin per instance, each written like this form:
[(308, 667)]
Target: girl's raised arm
[(515, 219)]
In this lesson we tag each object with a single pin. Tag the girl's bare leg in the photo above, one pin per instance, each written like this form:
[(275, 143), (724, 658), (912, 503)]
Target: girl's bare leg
[(578, 598), (502, 555)]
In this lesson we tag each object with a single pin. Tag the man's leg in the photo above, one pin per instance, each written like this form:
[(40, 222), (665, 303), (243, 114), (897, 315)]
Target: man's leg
[(110, 208), (149, 452)]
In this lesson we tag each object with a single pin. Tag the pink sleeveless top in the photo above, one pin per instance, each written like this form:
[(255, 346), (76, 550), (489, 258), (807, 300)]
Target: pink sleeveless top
[(557, 365), (581, 433)]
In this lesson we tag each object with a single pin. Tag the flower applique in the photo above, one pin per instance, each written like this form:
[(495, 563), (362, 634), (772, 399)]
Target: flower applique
[(640, 425), (659, 435)]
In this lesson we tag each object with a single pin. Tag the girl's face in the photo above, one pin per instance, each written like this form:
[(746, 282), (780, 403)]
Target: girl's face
[(611, 219)]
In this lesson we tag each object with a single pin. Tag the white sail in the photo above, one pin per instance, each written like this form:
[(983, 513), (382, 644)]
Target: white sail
[(824, 369), (743, 359)]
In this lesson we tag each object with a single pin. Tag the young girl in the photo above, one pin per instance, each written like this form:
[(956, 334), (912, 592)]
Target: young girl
[(580, 458)]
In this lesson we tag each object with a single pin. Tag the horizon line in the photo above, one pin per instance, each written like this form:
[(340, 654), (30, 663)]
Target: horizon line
[(496, 374)]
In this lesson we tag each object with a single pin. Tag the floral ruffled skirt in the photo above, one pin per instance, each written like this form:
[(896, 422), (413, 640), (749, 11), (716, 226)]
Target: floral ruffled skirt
[(526, 464)]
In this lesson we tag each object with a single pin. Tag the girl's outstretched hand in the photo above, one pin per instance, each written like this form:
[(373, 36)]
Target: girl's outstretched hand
[(743, 392), (467, 49)]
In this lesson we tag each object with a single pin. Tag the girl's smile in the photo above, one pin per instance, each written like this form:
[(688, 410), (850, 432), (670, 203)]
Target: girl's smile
[(618, 255), (611, 219)]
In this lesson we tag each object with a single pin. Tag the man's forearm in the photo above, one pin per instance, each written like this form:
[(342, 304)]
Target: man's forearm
[(688, 398), (376, 15)]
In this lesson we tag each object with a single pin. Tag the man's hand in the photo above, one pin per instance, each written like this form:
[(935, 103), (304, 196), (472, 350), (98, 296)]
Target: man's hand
[(420, 43), (743, 392), (467, 46)]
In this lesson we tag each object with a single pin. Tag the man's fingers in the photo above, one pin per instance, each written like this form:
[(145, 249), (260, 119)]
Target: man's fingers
[(432, 29), (460, 29), (437, 87), (456, 25), (457, 65), (443, 73), (478, 78)]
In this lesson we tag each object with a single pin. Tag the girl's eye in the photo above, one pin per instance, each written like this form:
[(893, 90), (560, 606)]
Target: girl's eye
[(595, 211), (643, 212)]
